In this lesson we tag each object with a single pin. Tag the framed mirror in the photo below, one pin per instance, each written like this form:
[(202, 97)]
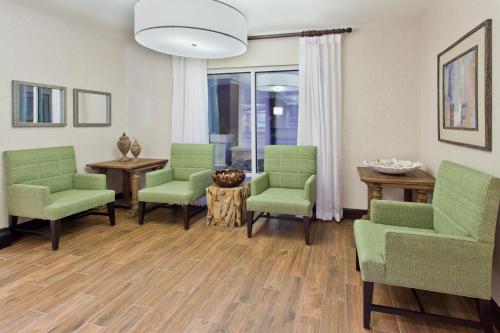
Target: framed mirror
[(91, 108), (38, 105)]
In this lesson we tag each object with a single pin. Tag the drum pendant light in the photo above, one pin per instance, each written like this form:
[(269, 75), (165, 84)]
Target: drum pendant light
[(207, 29)]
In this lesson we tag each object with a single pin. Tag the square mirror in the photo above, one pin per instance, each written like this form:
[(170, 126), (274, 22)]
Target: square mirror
[(38, 105), (91, 108)]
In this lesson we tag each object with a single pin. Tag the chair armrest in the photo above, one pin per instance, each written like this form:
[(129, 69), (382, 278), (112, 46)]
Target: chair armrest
[(403, 214), (310, 189), (88, 181), (438, 262), (199, 181), (159, 177), (260, 183), (28, 200)]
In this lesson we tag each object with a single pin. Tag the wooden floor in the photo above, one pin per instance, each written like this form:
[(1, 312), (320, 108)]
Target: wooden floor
[(158, 277)]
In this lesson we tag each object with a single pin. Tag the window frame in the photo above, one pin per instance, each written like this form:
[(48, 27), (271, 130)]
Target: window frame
[(253, 85)]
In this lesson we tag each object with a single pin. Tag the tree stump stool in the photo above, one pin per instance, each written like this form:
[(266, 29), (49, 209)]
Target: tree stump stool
[(227, 206)]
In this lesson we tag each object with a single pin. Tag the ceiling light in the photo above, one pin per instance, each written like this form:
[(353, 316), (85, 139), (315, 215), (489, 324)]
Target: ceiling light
[(278, 82), (278, 110), (206, 29)]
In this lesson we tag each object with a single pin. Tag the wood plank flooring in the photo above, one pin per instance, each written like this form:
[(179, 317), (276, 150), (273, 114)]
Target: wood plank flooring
[(160, 278)]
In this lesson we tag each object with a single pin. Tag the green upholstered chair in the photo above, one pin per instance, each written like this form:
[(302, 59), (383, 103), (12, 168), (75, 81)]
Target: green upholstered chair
[(446, 246), (44, 184), (287, 186), (190, 173)]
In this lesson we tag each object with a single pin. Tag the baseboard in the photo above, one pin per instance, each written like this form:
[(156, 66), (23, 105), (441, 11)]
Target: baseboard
[(495, 309), (354, 214), (5, 237)]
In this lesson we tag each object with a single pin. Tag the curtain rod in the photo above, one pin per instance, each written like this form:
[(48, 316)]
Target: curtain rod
[(310, 33)]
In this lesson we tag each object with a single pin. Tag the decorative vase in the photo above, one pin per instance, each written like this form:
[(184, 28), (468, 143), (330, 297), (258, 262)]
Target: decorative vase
[(135, 149), (124, 147)]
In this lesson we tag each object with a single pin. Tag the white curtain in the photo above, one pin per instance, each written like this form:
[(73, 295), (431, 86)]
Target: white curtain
[(190, 104), (320, 118), (189, 101)]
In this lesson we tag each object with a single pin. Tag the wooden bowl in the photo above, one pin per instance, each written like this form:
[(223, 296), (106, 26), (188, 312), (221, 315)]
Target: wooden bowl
[(228, 177)]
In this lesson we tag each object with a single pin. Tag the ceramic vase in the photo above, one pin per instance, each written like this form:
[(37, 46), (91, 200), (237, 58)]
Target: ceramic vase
[(136, 150), (124, 147)]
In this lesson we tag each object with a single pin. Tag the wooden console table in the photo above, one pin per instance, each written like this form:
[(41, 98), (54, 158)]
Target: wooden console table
[(131, 173), (227, 206), (417, 180)]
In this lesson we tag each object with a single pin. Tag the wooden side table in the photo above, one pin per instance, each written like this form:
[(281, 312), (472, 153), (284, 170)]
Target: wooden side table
[(227, 206), (417, 180), (131, 173)]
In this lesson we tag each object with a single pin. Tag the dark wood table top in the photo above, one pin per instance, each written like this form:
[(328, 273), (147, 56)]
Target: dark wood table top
[(415, 178), (131, 165)]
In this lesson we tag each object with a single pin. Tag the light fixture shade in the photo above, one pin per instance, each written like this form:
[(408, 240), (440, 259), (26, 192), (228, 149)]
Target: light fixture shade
[(206, 29)]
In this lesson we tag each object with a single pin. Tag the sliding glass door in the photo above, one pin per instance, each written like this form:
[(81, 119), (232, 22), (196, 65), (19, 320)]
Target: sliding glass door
[(276, 110), (249, 109)]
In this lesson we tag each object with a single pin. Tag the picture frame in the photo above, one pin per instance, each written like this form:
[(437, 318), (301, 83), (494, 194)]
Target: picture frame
[(464, 88), (91, 108)]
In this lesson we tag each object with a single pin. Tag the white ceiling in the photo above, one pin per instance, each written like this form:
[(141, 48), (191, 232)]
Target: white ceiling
[(264, 16)]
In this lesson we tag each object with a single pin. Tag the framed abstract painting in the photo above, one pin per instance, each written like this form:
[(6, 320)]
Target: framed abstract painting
[(464, 90)]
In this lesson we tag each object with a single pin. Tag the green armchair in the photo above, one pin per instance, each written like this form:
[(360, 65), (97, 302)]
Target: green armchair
[(446, 246), (44, 184), (190, 173), (287, 186)]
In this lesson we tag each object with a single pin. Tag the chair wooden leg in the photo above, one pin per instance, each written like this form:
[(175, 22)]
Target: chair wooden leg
[(185, 214), (13, 224), (142, 212), (485, 315), (307, 229), (249, 224), (111, 213), (13, 221), (367, 303), (55, 231), (357, 262)]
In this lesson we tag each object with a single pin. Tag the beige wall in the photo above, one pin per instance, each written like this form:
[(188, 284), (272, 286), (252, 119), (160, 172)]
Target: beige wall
[(445, 22), (39, 48), (380, 91), (149, 88)]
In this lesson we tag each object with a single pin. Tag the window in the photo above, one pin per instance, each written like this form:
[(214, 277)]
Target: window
[(249, 109)]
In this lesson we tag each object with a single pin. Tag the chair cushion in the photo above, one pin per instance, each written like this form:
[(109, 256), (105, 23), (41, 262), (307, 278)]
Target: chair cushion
[(289, 166), (174, 192), (280, 201), (370, 244), (189, 158), (69, 202), (52, 167), (465, 202)]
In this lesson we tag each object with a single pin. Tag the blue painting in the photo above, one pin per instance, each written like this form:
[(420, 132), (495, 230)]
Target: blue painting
[(460, 84)]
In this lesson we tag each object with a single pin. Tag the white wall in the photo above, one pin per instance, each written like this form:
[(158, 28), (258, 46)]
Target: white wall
[(380, 106), (445, 22), (40, 48)]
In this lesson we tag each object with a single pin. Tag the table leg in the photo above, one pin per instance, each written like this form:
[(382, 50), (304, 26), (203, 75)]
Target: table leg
[(126, 186), (374, 193), (408, 197), (422, 196), (134, 188)]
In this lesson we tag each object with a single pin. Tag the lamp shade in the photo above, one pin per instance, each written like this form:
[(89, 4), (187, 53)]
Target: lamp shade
[(191, 28)]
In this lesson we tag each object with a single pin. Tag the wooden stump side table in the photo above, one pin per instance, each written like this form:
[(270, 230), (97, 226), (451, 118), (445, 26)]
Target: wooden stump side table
[(227, 206), (131, 173), (417, 180)]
